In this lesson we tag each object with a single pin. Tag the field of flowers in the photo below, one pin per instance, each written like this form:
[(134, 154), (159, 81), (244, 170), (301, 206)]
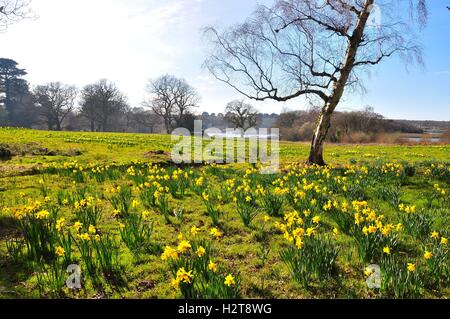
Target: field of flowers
[(140, 227)]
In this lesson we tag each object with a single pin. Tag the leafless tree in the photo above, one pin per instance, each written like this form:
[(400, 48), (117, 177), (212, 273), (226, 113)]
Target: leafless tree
[(55, 101), (146, 118), (12, 11), (171, 98), (88, 106), (313, 49), (100, 102), (242, 115)]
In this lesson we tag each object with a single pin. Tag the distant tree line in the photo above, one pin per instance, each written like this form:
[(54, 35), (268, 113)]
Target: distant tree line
[(102, 107), (171, 103), (99, 106), (353, 127)]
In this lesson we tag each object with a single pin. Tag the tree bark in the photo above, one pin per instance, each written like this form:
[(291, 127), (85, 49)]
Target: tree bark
[(167, 125), (316, 152), (323, 125)]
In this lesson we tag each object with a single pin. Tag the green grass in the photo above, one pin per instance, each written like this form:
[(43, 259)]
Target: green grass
[(145, 275), (124, 148)]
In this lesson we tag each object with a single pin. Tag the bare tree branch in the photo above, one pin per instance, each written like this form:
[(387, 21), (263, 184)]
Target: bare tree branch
[(311, 48), (55, 101), (242, 115), (12, 11), (171, 98), (100, 102)]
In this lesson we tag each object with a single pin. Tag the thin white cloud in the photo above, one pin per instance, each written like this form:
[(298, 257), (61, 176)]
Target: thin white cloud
[(447, 72)]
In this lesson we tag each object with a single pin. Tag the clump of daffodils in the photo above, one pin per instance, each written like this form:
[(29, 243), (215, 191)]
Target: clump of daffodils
[(195, 273), (310, 254), (436, 254)]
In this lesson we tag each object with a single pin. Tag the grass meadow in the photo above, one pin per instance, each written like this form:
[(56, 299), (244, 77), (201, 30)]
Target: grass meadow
[(138, 226)]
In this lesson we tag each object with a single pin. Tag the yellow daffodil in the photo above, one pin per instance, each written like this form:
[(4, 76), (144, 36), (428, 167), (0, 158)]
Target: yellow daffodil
[(84, 236), (195, 230), (92, 230), (175, 283), (328, 206), (216, 233), (299, 243), (298, 232), (60, 223), (145, 214), (184, 276), (200, 251), (212, 266), (184, 246), (135, 203), (368, 271), (310, 231), (77, 226), (43, 214), (229, 280), (59, 251), (169, 253), (335, 231), (288, 237), (411, 267)]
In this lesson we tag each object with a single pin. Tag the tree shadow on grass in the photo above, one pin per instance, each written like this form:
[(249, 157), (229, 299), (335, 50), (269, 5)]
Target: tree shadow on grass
[(11, 276), (7, 227), (332, 288), (263, 292)]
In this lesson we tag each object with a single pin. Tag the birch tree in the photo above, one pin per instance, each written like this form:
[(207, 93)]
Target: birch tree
[(315, 49)]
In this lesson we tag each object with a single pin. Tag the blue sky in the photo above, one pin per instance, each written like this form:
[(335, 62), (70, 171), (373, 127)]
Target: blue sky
[(132, 41), (418, 93)]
